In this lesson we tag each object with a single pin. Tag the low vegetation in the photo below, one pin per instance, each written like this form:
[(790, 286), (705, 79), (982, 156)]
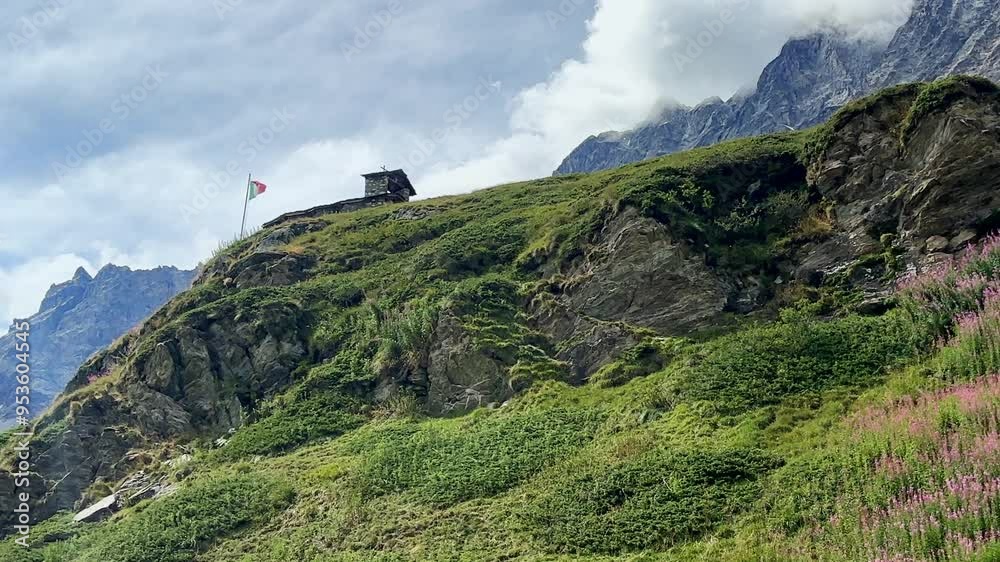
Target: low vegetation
[(809, 433)]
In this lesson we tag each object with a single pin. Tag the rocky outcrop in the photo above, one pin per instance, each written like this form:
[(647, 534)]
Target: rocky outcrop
[(462, 376), (811, 78), (266, 263), (902, 180), (134, 489), (80, 443), (197, 376), (80, 317), (203, 375), (640, 275), (586, 344), (931, 188)]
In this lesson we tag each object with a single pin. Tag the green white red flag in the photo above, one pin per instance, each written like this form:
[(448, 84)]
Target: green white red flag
[(257, 189)]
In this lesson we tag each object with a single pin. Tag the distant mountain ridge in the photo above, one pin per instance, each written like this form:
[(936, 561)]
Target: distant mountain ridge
[(811, 78), (80, 317)]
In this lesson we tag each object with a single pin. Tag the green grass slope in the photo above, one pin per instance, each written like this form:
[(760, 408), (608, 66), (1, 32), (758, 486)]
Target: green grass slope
[(805, 433)]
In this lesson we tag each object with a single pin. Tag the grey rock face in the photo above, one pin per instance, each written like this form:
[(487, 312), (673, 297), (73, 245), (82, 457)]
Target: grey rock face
[(265, 264), (461, 377), (943, 37), (813, 77), (80, 317), (935, 194), (639, 275), (208, 372), (585, 343)]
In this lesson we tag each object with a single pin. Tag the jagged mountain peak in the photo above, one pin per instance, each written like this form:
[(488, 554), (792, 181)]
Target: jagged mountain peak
[(64, 294), (82, 315), (82, 274), (813, 76)]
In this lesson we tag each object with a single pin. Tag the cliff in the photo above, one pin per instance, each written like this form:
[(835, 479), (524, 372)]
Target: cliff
[(80, 317)]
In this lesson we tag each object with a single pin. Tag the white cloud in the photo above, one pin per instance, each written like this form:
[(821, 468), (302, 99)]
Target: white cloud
[(20, 289), (629, 69)]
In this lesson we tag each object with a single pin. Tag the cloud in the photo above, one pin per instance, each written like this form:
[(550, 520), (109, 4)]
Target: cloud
[(20, 292), (637, 59)]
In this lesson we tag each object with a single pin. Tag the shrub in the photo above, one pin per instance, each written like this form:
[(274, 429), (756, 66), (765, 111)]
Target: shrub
[(649, 356), (657, 499), (959, 302), (303, 420), (9, 552), (178, 527), (761, 365), (449, 462)]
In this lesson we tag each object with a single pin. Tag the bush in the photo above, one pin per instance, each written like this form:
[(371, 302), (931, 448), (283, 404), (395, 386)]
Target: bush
[(9, 552), (449, 462), (649, 356), (303, 420), (177, 528), (926, 478), (762, 365), (658, 499), (959, 302)]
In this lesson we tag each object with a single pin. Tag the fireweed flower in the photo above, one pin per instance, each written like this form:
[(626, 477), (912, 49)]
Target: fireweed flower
[(933, 489)]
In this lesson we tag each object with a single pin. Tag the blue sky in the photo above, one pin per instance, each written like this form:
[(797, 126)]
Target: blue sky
[(127, 128)]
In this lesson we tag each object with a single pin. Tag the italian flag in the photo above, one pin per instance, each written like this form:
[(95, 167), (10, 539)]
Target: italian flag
[(257, 189)]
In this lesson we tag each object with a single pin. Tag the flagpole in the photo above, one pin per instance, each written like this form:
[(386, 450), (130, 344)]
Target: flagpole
[(246, 201)]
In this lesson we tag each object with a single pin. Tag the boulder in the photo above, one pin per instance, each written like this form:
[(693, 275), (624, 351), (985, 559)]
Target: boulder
[(963, 239), (278, 238), (936, 244), (99, 511), (270, 269)]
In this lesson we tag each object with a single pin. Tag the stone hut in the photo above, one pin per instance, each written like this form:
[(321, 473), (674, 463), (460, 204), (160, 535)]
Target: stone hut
[(389, 182), (381, 188)]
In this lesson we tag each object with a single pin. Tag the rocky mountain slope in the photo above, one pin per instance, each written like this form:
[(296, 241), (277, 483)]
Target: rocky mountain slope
[(811, 78), (662, 359), (78, 318)]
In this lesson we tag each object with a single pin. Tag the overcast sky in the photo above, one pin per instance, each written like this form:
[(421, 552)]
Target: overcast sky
[(128, 127)]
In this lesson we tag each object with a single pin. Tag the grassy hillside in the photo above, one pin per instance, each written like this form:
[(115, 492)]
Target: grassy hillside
[(803, 431)]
